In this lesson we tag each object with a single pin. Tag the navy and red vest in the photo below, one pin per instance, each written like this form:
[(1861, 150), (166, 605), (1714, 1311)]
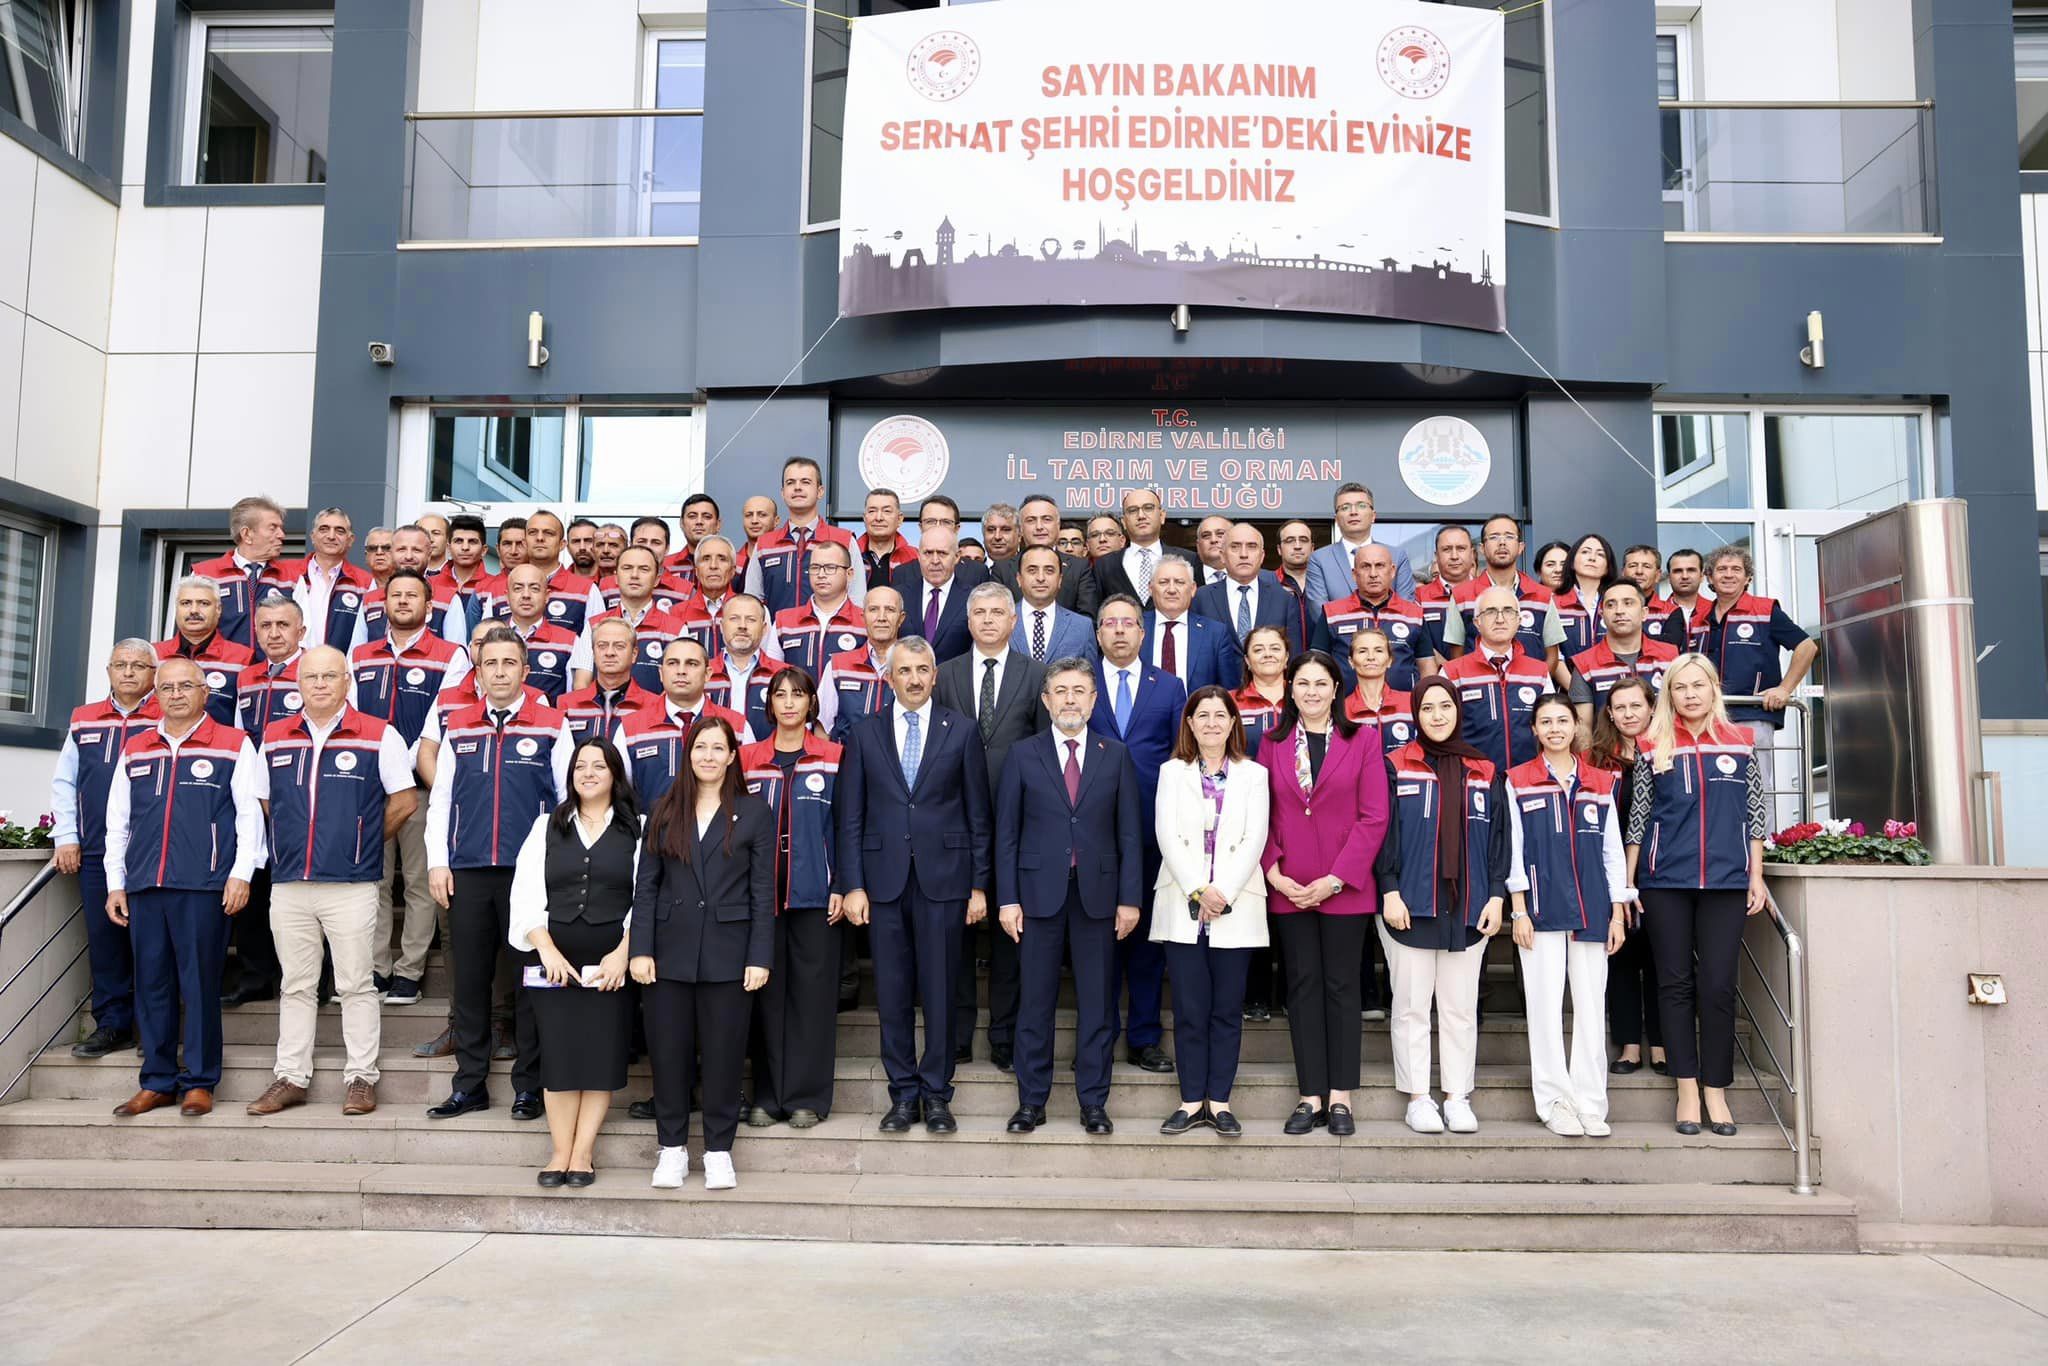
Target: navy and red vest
[(239, 595), (1657, 624), (99, 732), (590, 713), (401, 688), (1744, 647), (344, 605), (1699, 813), (326, 825), (1406, 630), (1395, 717), (548, 652), (469, 693), (181, 807), (1418, 805), (568, 602), (1602, 670), (262, 697), (681, 565), (864, 566), (502, 781), (221, 661), (803, 815), (654, 746), (442, 601), (1495, 711), (860, 688), (669, 591), (807, 642), (651, 635), (1435, 601), (718, 688), (1528, 634), (1258, 715), (1583, 627), (786, 566), (701, 624), (482, 587), (1561, 847)]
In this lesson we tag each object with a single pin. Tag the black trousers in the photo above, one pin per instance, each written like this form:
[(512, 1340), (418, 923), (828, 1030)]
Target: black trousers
[(916, 946), (255, 950), (1322, 954), (1002, 986), (479, 914), (1372, 986), (1697, 939), (685, 1019), (1632, 992), (796, 1017), (1208, 1017)]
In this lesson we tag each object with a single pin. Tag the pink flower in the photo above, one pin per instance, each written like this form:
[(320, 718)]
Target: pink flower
[(1856, 828)]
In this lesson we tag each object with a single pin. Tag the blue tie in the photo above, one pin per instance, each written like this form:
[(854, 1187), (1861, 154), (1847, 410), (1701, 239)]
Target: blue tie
[(1123, 701), (913, 749), (1244, 611)]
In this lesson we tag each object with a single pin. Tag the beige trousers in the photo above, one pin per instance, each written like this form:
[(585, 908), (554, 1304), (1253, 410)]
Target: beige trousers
[(344, 915), (408, 853)]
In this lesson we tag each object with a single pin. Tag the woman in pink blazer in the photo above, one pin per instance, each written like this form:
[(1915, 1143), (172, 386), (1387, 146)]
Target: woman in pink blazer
[(1329, 814)]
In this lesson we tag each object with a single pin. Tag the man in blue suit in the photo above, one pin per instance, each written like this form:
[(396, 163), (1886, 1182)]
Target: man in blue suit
[(935, 592), (1069, 863), (1248, 597), (1045, 630), (913, 811), (1193, 649), (1141, 706), (1329, 569)]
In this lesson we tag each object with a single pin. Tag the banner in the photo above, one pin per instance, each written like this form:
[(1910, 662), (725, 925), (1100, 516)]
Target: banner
[(1335, 156), (1245, 460)]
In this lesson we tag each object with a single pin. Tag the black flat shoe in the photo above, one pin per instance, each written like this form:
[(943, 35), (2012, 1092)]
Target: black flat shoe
[(1622, 1067), (964, 1053), (1151, 1057), (1095, 1120), (1026, 1120), (938, 1118), (641, 1109), (1304, 1119), (1688, 1127), (1225, 1123), (759, 1118), (1341, 1123), (1180, 1121), (901, 1116), (1258, 1014), (1726, 1130), (1001, 1057), (1662, 1069), (528, 1105), (552, 1180), (579, 1179), (460, 1103)]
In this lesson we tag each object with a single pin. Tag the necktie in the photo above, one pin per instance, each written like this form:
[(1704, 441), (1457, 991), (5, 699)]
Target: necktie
[(1500, 667), (255, 582), (913, 749), (988, 699), (1144, 584), (802, 537), (931, 613), (1169, 658), (1073, 772), (1123, 700), (1244, 611), (1038, 634), (498, 719)]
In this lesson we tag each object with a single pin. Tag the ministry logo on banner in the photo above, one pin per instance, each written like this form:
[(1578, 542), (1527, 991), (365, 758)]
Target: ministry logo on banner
[(1335, 157)]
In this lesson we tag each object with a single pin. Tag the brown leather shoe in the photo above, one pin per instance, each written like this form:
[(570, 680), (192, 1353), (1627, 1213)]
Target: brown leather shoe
[(442, 1045), (142, 1102), (361, 1097), (282, 1095), (198, 1101)]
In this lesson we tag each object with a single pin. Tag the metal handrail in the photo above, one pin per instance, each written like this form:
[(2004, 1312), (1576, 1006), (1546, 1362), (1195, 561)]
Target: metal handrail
[(1795, 104), (1805, 792), (44, 876), (450, 115), (1798, 1086)]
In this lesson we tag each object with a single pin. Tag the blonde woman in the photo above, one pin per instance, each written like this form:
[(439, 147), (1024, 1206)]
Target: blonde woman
[(1696, 828)]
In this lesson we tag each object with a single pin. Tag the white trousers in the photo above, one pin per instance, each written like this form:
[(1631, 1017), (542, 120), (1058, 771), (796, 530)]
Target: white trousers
[(416, 932), (344, 915), (1556, 960), (1452, 979)]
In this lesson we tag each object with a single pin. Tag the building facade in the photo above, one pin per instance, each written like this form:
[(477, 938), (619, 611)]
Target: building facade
[(208, 211)]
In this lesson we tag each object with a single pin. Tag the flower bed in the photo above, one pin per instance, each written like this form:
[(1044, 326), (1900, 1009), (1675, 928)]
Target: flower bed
[(35, 836), (1813, 842)]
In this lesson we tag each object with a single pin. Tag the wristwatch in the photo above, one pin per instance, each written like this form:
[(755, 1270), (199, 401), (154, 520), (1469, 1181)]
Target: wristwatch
[(1517, 915)]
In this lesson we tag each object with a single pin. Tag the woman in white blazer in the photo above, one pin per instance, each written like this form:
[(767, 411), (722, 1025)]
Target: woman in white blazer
[(1209, 906)]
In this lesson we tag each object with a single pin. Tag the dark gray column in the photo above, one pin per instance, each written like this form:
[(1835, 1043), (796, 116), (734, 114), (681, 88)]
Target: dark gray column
[(1578, 480), (755, 438)]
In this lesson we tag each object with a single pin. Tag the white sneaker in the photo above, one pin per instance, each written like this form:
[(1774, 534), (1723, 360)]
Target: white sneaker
[(1563, 1120), (1458, 1116), (1595, 1128), (670, 1170), (718, 1172), (1423, 1117)]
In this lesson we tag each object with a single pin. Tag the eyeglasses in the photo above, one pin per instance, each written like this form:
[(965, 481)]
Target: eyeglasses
[(179, 689), (830, 568), (1501, 537), (1496, 613)]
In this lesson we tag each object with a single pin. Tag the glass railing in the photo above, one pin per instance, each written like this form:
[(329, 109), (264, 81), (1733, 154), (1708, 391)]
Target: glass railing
[(1860, 169), (554, 177)]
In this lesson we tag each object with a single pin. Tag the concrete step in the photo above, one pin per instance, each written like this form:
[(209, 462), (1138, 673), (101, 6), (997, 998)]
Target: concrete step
[(1066, 1209), (1263, 1090)]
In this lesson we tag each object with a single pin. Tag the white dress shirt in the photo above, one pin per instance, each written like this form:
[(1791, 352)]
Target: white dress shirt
[(900, 716), (242, 787), (1031, 616), (64, 786), (1233, 592), (1181, 644), (1059, 749), (1132, 557), (1134, 670), (315, 592), (530, 882), (981, 663), (915, 610)]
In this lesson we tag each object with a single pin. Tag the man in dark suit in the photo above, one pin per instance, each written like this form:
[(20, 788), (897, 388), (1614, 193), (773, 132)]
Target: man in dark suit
[(1040, 521), (913, 812), (1045, 630), (935, 592), (1249, 597), (1129, 571), (1140, 706), (1069, 863), (1193, 649), (999, 688)]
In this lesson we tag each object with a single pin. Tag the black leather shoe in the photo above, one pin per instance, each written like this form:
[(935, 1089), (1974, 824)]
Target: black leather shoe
[(1226, 1124), (528, 1105), (901, 1116), (1000, 1055), (641, 1109), (1151, 1057), (1027, 1119), (248, 992), (938, 1118), (1662, 1069), (1688, 1127), (1304, 1119), (101, 1042), (1180, 1121), (552, 1180), (1095, 1120), (1258, 1014), (759, 1118), (1723, 1130), (1622, 1067), (1341, 1123), (460, 1103), (579, 1179), (964, 1053)]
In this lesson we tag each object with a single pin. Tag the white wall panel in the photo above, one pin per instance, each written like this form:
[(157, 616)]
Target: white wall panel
[(262, 279), (71, 258), (252, 429), (12, 323), (135, 137), (63, 383), (448, 56), (541, 54), (158, 279), (1876, 47), (17, 219), (1768, 50), (25, 774), (146, 438)]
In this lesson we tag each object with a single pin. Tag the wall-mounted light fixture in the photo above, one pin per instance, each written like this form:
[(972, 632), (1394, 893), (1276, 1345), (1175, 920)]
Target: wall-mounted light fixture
[(536, 354), (1183, 318), (1814, 354)]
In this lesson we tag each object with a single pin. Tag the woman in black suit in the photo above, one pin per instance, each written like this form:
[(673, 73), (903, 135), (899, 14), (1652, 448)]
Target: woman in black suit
[(703, 936)]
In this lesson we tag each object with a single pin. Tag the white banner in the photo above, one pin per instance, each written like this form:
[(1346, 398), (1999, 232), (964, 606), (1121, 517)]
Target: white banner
[(1341, 156)]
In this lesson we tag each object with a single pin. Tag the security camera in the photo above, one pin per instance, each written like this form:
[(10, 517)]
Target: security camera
[(382, 353)]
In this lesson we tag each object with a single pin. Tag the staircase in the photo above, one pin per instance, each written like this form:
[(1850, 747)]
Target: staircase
[(65, 1160)]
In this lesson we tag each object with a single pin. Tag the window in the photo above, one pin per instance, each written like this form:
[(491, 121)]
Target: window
[(1842, 461), (634, 455), (42, 67), (25, 573), (256, 99), (595, 459), (2030, 69), (676, 178), (1527, 39), (485, 455), (1702, 460), (1674, 82)]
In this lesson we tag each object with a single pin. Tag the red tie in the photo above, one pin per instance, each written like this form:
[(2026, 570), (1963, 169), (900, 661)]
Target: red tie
[(1168, 657), (1073, 771)]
